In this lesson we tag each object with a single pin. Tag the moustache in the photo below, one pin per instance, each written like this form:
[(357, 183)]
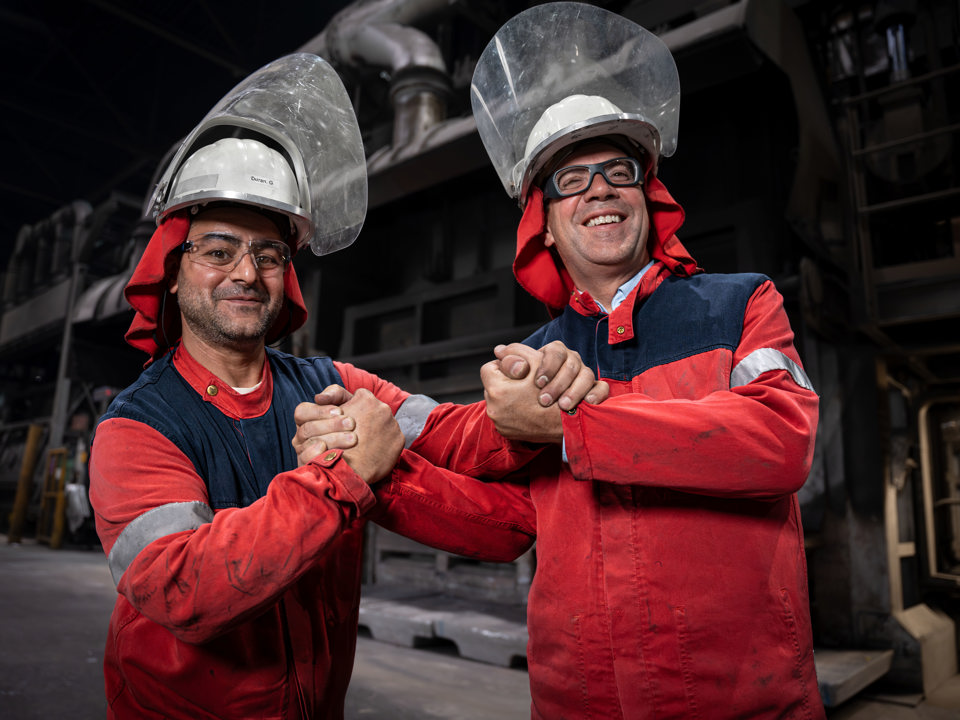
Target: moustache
[(240, 293)]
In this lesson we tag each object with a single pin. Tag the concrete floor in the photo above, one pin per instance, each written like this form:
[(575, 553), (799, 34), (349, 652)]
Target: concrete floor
[(55, 606)]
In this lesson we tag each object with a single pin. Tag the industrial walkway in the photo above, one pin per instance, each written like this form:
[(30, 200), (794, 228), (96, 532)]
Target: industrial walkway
[(55, 605)]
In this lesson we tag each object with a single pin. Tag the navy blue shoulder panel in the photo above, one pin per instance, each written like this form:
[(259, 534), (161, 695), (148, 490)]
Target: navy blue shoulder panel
[(236, 458), (682, 318), (153, 399)]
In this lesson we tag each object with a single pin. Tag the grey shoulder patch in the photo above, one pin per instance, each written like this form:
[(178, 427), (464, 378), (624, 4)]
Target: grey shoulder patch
[(412, 416), (153, 525), (764, 360)]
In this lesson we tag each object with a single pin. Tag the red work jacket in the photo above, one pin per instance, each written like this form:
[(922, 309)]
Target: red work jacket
[(251, 611), (671, 578)]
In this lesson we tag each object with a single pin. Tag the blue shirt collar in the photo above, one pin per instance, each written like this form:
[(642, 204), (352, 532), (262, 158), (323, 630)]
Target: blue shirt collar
[(624, 290)]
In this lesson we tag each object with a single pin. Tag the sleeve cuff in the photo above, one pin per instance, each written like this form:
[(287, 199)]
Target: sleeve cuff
[(347, 485)]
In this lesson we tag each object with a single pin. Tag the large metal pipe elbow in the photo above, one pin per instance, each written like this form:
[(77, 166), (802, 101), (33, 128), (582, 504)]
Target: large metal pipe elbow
[(387, 45), (377, 33)]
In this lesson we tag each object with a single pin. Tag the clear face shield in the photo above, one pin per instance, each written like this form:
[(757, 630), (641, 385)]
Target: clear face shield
[(563, 72), (298, 107)]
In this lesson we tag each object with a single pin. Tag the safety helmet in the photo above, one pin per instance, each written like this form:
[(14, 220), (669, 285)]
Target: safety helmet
[(581, 117), (241, 170), (560, 73), (285, 139)]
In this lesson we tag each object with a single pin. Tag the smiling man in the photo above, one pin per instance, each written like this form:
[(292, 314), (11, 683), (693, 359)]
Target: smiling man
[(237, 559), (670, 578)]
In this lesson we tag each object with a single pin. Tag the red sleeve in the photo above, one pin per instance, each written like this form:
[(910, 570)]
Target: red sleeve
[(354, 378), (460, 438), (752, 441), (493, 521), (199, 583)]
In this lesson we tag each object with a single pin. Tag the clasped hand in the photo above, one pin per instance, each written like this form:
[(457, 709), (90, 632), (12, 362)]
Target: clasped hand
[(528, 405), (357, 423), (526, 392)]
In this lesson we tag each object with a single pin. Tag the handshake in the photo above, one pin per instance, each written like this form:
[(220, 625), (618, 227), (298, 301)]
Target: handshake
[(525, 390)]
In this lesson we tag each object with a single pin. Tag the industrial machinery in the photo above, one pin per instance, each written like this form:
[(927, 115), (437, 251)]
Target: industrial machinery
[(818, 144)]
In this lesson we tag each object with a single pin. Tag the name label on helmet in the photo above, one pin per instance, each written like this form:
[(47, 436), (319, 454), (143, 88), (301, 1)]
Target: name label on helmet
[(262, 181)]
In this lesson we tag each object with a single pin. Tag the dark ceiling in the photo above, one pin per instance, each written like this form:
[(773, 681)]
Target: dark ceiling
[(96, 92)]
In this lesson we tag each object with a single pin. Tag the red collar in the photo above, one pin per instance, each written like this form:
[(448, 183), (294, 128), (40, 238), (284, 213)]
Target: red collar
[(620, 326), (216, 391)]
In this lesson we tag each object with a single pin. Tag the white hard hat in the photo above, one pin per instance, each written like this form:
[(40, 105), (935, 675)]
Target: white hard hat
[(577, 118), (570, 111), (241, 170), (562, 72), (285, 139)]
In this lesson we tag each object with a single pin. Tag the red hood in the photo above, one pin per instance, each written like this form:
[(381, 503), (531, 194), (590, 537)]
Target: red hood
[(154, 305), (538, 269)]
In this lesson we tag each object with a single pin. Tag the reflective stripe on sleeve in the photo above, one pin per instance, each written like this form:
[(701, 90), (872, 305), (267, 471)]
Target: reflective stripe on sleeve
[(764, 360), (153, 525), (412, 416)]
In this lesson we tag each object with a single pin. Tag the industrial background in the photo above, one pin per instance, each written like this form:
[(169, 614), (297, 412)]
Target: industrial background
[(818, 144)]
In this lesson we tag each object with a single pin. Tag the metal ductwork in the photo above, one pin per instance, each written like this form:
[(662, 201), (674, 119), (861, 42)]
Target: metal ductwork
[(378, 33), (43, 253)]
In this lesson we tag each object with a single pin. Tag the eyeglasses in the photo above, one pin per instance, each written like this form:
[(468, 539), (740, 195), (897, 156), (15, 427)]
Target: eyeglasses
[(225, 253), (576, 179)]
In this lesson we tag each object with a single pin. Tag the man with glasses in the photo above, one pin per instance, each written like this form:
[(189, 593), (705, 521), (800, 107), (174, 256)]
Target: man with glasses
[(670, 577), (237, 567)]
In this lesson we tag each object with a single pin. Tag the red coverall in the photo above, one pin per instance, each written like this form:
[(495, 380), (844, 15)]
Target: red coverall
[(671, 577), (236, 618), (251, 611)]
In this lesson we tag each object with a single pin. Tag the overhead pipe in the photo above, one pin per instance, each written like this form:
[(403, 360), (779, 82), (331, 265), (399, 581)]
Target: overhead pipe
[(378, 33)]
